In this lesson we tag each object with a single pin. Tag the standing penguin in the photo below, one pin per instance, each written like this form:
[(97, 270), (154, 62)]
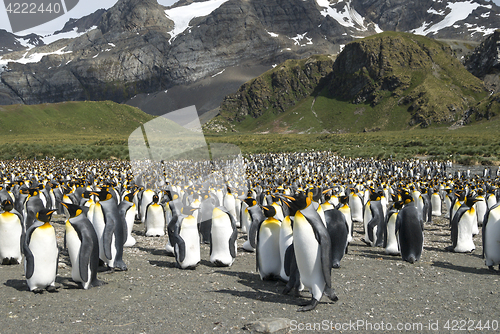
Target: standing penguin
[(154, 219), (376, 225), (410, 230), (41, 254), (343, 207), (338, 230), (113, 236), (286, 247), (127, 210), (356, 206), (462, 228), (186, 239), (11, 234), (223, 237), (83, 247), (268, 261), (312, 248), (436, 203), (207, 206), (257, 217), (491, 237), (391, 245)]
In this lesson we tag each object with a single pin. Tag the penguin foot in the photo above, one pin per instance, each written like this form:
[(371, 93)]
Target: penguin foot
[(490, 268), (13, 261), (450, 248), (330, 293), (52, 288), (5, 261), (37, 290), (97, 282), (310, 305)]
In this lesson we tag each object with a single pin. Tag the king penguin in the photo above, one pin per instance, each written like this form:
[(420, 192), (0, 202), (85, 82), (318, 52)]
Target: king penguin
[(186, 239), (462, 228), (338, 230), (268, 261), (491, 237), (391, 245), (113, 236), (41, 254), (127, 210), (312, 248), (256, 217), (223, 238), (11, 234), (83, 247), (154, 219), (410, 230), (343, 207)]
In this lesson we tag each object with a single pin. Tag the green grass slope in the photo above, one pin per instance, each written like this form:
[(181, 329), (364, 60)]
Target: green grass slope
[(84, 130), (389, 81)]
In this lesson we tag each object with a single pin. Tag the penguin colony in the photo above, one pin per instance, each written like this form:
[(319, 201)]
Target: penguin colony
[(297, 212)]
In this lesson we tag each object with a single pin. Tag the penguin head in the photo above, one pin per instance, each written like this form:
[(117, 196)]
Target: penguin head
[(188, 210), (269, 211), (7, 205), (73, 209), (250, 201), (155, 199), (471, 201), (406, 197), (44, 215), (298, 202), (129, 197)]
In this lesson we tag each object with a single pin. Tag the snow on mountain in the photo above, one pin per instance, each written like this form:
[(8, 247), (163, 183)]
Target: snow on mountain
[(457, 11), (184, 14), (347, 17)]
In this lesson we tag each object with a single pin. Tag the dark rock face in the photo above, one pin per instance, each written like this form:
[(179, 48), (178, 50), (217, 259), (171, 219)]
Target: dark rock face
[(132, 51), (10, 42), (278, 89), (83, 24), (484, 63)]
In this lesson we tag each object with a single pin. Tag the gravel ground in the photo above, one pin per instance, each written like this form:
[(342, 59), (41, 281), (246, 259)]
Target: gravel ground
[(154, 296)]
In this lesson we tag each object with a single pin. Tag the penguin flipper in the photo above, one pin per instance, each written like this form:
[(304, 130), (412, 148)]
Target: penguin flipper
[(84, 257), (107, 237), (232, 243), (289, 255), (30, 262), (180, 248)]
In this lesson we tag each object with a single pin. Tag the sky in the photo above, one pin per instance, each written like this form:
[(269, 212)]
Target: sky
[(84, 7)]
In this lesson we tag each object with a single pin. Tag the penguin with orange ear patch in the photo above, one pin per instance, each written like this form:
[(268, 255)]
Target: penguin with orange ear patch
[(41, 254), (83, 247)]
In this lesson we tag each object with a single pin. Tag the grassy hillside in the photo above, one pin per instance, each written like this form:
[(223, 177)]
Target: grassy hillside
[(71, 129), (478, 143), (389, 81)]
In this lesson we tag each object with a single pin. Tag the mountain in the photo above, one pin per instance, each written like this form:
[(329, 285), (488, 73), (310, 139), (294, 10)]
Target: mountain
[(387, 81), (141, 47), (485, 62)]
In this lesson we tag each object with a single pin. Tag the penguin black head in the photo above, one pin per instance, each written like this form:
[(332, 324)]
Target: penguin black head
[(299, 202), (103, 195), (269, 211), (73, 209), (129, 197), (44, 215), (7, 205), (344, 199), (155, 199), (250, 201), (406, 197), (471, 201)]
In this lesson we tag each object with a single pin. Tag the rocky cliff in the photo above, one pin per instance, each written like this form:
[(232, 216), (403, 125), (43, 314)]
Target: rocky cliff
[(485, 62), (142, 47), (376, 81)]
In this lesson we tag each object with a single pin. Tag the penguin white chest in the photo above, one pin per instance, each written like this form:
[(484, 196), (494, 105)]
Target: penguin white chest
[(308, 255), (10, 236), (465, 226), (189, 233), (43, 246)]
